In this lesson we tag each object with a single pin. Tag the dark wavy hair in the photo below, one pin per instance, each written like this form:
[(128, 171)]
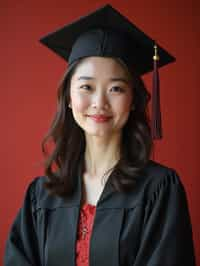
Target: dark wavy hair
[(68, 139)]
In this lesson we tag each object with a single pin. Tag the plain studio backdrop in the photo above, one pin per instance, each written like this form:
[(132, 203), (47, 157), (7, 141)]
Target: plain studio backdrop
[(30, 74)]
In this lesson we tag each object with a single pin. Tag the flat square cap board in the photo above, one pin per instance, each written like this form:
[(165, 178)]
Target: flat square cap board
[(106, 32)]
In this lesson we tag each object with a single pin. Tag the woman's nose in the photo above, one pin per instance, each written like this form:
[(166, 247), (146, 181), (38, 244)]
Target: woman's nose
[(100, 101)]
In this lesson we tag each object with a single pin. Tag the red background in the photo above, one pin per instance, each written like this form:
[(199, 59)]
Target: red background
[(30, 74)]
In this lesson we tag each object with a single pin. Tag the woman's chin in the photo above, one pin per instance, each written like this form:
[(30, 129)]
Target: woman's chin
[(99, 133)]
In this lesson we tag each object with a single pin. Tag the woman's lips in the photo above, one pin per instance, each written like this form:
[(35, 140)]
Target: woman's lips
[(100, 118)]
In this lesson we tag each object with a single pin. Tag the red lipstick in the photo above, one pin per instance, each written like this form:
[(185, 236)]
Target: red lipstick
[(100, 118)]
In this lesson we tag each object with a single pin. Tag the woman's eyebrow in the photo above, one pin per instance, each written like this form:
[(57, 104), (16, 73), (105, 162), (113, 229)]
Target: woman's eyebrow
[(121, 79), (112, 79), (85, 78)]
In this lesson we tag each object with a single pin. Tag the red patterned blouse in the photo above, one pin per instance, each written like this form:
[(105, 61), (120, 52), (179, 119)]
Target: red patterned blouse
[(86, 220)]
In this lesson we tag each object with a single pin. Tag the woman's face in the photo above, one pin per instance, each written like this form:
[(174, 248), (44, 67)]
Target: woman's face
[(100, 96)]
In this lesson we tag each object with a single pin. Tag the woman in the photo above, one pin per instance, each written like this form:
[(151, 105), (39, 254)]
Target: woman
[(102, 200)]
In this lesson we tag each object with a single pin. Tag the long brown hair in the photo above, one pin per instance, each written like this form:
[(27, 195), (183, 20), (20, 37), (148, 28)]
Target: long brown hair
[(60, 165)]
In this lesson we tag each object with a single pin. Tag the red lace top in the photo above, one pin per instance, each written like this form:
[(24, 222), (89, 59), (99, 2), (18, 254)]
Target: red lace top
[(84, 233)]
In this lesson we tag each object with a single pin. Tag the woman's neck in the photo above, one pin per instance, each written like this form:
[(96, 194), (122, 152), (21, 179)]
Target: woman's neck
[(101, 155)]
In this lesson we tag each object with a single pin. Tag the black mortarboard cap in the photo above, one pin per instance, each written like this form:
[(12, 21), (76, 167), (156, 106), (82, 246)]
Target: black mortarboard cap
[(106, 32)]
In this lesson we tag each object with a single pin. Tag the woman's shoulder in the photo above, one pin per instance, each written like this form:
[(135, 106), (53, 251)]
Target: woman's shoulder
[(36, 186), (155, 172), (40, 196), (155, 178), (159, 178)]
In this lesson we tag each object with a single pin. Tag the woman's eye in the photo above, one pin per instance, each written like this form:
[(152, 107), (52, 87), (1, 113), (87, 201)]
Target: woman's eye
[(117, 89), (86, 87)]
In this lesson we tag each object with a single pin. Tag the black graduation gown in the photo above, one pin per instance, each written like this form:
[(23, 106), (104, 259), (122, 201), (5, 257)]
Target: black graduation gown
[(148, 227)]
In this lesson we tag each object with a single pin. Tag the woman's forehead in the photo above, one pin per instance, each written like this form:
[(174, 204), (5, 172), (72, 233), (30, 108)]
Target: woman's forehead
[(95, 66)]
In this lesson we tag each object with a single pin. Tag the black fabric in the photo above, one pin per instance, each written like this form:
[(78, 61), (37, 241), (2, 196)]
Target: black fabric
[(106, 32), (104, 43), (150, 226)]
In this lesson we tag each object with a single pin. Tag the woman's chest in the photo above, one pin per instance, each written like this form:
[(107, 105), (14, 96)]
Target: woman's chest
[(114, 239)]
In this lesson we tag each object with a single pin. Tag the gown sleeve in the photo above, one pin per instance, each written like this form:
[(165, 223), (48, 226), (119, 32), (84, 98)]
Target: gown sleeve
[(167, 237), (21, 244)]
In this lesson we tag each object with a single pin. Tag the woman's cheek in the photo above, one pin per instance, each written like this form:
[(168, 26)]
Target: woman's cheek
[(124, 104), (80, 103)]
